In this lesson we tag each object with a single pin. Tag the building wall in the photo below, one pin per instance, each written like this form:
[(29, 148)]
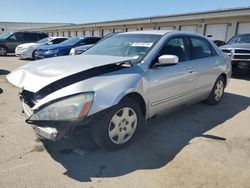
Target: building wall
[(17, 26), (218, 25)]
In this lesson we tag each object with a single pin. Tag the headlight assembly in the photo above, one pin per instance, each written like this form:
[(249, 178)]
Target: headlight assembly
[(72, 51), (54, 51), (70, 108)]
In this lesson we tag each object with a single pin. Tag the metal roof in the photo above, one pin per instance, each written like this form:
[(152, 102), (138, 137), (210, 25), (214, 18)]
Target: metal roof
[(163, 18)]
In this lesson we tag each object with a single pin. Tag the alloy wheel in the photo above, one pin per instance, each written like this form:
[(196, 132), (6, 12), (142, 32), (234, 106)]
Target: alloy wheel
[(2, 51), (218, 92), (122, 125)]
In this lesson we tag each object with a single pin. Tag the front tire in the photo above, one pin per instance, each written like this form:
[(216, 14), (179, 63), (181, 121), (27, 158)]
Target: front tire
[(3, 51), (33, 55), (217, 91), (116, 127)]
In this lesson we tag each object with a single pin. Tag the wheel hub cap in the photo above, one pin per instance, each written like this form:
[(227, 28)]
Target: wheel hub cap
[(122, 125), (219, 90)]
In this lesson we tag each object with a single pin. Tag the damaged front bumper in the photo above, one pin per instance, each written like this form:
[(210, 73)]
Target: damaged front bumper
[(54, 130)]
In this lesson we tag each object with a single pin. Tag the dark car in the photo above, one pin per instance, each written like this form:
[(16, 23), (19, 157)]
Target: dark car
[(238, 49), (9, 41), (64, 48), (80, 49)]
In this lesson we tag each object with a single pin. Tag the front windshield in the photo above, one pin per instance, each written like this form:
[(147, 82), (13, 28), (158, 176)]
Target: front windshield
[(5, 35), (71, 41), (136, 46), (43, 41), (240, 39)]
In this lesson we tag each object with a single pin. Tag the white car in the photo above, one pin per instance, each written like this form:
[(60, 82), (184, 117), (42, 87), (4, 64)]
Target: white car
[(27, 50)]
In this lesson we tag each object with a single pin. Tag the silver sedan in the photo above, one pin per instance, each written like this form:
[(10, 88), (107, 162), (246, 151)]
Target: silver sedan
[(116, 85)]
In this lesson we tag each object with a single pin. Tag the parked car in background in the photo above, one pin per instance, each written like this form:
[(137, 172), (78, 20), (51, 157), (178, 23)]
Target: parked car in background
[(63, 48), (238, 49), (219, 42), (119, 83), (9, 41), (80, 49), (27, 50)]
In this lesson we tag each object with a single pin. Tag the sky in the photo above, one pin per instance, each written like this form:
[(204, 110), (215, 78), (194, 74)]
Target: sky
[(86, 11)]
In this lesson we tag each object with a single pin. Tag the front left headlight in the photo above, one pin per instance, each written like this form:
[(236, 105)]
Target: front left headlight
[(72, 51), (71, 108)]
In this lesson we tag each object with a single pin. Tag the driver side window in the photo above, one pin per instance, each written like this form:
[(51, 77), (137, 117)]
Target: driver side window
[(175, 46)]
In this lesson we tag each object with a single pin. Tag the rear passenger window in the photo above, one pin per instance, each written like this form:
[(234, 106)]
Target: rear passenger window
[(200, 48), (30, 37)]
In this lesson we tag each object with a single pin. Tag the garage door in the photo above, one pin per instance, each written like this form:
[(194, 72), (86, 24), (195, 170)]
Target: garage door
[(217, 31), (189, 28), (244, 27), (79, 33), (105, 32), (147, 28), (66, 33), (118, 30), (96, 33), (166, 28), (88, 33), (72, 33), (60, 33), (131, 29)]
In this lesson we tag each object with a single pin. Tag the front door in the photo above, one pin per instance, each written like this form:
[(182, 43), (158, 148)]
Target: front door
[(170, 86)]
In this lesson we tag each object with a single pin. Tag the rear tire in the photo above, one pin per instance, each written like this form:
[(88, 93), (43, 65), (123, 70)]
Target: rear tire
[(3, 51), (116, 127), (217, 91)]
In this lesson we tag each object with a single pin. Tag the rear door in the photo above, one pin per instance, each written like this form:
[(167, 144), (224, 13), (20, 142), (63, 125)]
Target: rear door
[(204, 64), (30, 37), (170, 86)]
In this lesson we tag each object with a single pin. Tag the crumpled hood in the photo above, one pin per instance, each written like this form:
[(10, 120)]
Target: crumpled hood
[(38, 74), (239, 45)]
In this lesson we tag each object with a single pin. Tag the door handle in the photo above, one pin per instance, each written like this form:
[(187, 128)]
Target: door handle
[(190, 70)]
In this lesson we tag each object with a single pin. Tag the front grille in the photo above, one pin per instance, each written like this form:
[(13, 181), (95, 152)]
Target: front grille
[(242, 51), (242, 57)]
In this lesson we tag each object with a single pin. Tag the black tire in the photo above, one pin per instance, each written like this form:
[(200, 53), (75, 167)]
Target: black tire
[(3, 51), (100, 128), (213, 98), (33, 55)]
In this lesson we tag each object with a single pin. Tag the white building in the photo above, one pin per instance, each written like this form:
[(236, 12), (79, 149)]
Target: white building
[(17, 26), (217, 24)]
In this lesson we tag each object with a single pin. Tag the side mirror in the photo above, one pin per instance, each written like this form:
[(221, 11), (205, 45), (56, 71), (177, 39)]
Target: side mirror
[(168, 60), (49, 43)]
